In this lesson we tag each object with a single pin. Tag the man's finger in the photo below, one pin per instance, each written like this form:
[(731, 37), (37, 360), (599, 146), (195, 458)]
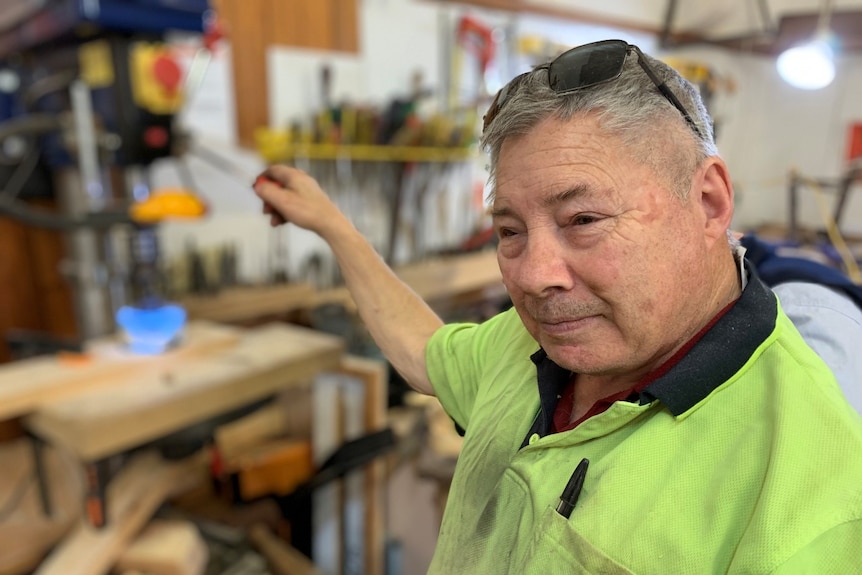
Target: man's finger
[(281, 174)]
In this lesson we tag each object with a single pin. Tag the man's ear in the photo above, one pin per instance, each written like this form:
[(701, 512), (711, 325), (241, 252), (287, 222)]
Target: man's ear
[(715, 195)]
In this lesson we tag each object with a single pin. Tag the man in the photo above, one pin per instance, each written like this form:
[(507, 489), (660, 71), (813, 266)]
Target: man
[(716, 441)]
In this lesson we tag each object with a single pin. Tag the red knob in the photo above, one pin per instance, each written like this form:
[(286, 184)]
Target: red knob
[(167, 73)]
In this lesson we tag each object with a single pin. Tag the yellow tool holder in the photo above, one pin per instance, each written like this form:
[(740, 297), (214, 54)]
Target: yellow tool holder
[(275, 146)]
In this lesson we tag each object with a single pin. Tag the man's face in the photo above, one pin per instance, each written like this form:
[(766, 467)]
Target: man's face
[(603, 264)]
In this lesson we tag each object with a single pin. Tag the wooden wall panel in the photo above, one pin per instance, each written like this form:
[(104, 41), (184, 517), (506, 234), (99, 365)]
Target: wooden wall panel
[(346, 25), (18, 300), (244, 21), (57, 313), (314, 26), (33, 294), (254, 25)]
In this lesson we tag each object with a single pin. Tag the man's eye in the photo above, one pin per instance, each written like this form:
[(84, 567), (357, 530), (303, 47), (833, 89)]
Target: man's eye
[(506, 232), (584, 219)]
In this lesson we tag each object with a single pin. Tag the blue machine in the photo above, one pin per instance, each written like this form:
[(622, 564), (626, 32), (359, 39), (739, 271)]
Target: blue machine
[(31, 23), (42, 38), (89, 91)]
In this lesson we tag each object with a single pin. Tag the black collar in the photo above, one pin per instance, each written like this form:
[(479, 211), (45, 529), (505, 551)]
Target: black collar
[(721, 352)]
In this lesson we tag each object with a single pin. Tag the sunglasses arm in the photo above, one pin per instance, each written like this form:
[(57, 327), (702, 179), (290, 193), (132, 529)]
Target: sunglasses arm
[(665, 91)]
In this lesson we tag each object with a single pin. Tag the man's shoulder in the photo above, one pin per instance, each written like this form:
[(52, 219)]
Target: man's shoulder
[(504, 326)]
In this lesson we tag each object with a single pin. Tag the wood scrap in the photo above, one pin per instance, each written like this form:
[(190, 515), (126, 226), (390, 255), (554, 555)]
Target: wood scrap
[(234, 438), (132, 497), (277, 466), (327, 435), (26, 532), (289, 415), (375, 376), (166, 547), (281, 557)]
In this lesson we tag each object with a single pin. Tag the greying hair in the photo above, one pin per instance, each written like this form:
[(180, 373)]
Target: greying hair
[(630, 108)]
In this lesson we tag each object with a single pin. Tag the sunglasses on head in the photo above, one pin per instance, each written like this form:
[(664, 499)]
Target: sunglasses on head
[(586, 66)]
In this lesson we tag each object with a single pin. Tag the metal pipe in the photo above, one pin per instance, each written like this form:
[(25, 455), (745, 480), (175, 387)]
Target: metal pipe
[(18, 210), (670, 12)]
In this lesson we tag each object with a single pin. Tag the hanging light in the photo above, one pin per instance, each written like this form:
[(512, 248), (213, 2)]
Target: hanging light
[(811, 66)]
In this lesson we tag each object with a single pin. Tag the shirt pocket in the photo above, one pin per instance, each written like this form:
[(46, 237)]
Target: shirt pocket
[(558, 548)]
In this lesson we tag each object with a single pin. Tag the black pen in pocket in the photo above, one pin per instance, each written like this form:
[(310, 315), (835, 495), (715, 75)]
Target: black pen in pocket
[(570, 495)]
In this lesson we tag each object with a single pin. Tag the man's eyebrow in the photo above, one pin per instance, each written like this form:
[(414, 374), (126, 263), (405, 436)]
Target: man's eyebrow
[(576, 191), (499, 212)]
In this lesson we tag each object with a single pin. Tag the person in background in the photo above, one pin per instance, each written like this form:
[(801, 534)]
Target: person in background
[(823, 304), (645, 406)]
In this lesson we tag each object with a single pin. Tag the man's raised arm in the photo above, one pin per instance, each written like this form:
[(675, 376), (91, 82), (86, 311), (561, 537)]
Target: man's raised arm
[(399, 320)]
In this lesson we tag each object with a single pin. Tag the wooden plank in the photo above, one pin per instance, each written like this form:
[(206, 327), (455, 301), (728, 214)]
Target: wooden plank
[(439, 280), (281, 557), (133, 496), (327, 435), (26, 532), (375, 375), (445, 278), (244, 303), (27, 384), (235, 438), (355, 507), (143, 407), (166, 547)]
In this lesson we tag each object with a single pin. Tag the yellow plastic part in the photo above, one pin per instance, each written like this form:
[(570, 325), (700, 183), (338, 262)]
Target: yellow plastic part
[(94, 59), (147, 92), (168, 203)]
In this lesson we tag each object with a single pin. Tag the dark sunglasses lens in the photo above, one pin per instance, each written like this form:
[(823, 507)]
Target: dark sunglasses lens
[(587, 65)]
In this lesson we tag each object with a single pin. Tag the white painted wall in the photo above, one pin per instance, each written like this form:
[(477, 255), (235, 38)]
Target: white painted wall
[(766, 127)]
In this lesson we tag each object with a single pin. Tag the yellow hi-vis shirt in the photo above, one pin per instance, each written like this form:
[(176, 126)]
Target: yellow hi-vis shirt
[(744, 458)]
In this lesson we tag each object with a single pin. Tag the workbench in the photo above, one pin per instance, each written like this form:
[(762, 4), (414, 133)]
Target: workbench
[(107, 401)]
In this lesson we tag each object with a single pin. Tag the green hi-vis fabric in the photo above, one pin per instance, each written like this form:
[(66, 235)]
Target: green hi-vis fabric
[(745, 458)]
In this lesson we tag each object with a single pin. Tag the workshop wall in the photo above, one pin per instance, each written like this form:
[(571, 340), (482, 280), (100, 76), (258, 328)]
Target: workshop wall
[(765, 127)]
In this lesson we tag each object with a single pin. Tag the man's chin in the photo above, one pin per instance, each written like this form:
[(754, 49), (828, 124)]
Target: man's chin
[(582, 359)]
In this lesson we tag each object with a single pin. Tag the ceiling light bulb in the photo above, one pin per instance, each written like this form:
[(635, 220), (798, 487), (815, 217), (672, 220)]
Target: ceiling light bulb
[(810, 66)]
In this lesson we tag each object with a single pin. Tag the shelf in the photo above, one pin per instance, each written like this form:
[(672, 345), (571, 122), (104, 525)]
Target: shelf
[(275, 147)]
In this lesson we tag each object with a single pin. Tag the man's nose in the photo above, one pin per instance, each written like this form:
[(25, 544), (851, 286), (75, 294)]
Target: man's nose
[(546, 265)]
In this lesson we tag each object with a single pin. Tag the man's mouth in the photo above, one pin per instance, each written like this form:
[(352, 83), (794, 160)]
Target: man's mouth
[(561, 326)]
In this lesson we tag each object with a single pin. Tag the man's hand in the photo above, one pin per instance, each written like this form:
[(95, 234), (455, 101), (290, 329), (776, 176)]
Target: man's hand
[(291, 195)]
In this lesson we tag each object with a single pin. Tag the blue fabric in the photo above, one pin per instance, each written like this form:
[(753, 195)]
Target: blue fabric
[(776, 269)]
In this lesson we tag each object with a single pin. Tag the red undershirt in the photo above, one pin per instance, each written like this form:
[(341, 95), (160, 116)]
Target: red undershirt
[(563, 411)]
